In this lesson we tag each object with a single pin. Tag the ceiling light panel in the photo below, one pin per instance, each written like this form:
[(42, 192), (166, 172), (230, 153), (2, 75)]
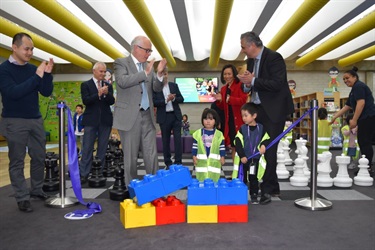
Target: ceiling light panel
[(239, 24), (314, 26)]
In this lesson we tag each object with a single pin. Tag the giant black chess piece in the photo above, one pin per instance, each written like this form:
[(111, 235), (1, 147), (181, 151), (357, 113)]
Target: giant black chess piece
[(108, 170), (51, 180), (119, 191), (97, 179), (113, 144)]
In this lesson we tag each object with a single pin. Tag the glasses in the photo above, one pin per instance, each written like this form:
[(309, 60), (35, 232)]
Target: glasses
[(147, 50)]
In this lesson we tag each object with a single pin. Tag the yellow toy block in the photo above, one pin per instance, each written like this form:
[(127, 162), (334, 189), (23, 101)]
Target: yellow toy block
[(202, 214), (132, 215)]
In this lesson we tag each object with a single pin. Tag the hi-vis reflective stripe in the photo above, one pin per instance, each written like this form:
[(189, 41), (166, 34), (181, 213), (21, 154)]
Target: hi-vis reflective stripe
[(201, 169), (235, 167), (214, 170), (214, 156), (346, 140), (202, 156), (323, 147), (324, 138)]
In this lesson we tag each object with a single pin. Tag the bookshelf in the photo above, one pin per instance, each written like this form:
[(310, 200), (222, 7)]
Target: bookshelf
[(302, 104)]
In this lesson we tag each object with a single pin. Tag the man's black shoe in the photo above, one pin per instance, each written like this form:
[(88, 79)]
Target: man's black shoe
[(265, 199), (25, 206), (83, 180), (42, 196)]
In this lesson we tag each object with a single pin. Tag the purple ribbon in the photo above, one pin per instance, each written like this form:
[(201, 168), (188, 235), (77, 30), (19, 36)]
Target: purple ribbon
[(240, 172), (73, 164), (277, 139)]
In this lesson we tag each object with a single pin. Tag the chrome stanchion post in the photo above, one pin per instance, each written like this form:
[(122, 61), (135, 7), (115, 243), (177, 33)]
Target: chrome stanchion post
[(312, 202), (62, 201)]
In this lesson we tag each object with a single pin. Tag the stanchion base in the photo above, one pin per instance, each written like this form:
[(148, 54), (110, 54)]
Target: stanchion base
[(57, 202), (314, 205)]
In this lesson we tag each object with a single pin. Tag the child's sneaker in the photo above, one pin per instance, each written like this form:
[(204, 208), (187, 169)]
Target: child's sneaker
[(254, 199)]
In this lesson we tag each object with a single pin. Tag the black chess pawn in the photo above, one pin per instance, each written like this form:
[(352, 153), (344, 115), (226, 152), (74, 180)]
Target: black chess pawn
[(96, 179), (113, 144), (51, 181), (55, 170), (108, 170), (119, 191), (118, 157)]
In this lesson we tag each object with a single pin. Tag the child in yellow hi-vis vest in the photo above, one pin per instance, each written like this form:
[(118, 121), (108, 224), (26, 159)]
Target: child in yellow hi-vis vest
[(324, 131), (250, 139), (208, 147), (350, 145)]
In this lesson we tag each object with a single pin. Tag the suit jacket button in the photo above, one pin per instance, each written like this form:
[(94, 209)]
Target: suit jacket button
[(141, 92)]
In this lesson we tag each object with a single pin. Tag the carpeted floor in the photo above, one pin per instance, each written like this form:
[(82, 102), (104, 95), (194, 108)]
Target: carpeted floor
[(350, 224)]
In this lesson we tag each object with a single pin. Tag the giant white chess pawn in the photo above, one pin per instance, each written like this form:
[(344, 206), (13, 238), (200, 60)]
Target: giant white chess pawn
[(363, 177), (302, 153), (286, 150), (324, 169), (281, 171), (342, 178), (299, 179)]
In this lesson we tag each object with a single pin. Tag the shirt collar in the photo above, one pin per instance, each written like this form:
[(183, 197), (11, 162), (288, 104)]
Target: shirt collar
[(259, 56), (14, 61)]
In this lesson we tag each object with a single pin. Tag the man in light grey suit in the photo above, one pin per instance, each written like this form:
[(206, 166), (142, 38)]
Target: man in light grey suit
[(134, 109)]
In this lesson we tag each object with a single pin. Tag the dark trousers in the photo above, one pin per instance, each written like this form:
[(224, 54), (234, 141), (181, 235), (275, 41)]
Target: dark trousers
[(91, 133), (270, 184), (251, 179), (171, 123), (366, 133)]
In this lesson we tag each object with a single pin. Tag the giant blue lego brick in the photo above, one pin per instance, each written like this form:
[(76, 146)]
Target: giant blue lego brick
[(148, 189), (202, 193), (231, 192), (175, 178)]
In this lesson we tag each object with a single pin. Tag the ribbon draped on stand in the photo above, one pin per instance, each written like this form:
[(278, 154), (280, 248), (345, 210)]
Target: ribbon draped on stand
[(74, 173), (262, 162)]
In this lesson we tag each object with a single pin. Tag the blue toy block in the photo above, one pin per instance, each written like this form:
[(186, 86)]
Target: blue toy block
[(231, 192), (202, 193), (146, 190), (175, 178)]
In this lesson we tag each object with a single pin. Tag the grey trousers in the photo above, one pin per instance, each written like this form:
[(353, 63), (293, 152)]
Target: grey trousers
[(25, 135)]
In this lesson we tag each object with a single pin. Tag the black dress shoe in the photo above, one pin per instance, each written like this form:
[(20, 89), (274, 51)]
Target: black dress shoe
[(25, 206), (265, 199), (42, 196), (83, 180)]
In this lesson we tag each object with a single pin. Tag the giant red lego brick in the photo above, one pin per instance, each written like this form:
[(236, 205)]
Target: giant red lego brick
[(233, 213), (169, 210)]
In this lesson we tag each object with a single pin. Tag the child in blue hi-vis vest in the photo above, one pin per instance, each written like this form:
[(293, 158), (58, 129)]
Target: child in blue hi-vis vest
[(250, 139), (208, 147)]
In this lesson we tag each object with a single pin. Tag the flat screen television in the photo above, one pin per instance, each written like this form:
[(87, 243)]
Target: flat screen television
[(198, 89)]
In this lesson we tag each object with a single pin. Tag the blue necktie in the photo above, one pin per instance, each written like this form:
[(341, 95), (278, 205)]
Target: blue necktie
[(144, 102)]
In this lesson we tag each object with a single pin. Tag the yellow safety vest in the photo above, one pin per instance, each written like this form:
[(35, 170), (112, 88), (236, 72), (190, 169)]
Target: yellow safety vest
[(208, 167), (324, 136), (345, 144), (262, 160), (289, 135)]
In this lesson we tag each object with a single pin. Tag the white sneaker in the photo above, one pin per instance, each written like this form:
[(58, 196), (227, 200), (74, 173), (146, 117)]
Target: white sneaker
[(352, 165)]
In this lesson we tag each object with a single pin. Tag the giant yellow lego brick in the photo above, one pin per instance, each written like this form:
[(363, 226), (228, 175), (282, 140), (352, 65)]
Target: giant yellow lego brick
[(202, 214), (132, 215)]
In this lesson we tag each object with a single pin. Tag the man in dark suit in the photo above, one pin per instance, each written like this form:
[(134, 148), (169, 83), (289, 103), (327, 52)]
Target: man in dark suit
[(266, 78), (169, 117), (134, 109), (97, 96)]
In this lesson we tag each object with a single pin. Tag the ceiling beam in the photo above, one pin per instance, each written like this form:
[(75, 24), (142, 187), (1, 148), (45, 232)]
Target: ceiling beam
[(10, 29), (358, 28), (143, 16), (357, 57), (303, 14), (223, 9), (58, 13)]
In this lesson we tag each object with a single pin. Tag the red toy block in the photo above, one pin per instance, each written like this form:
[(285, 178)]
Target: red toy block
[(233, 213), (169, 210)]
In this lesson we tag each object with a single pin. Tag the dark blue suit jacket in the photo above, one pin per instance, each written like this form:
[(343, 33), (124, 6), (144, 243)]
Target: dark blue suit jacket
[(159, 102), (96, 111)]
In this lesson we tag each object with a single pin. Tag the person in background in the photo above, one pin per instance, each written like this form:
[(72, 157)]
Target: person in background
[(230, 99), (185, 125), (97, 96), (350, 145), (134, 109), (77, 124), (266, 79), (208, 147), (324, 131), (21, 121), (361, 101), (169, 116), (250, 139)]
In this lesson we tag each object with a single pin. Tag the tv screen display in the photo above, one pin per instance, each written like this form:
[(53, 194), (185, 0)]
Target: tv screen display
[(198, 89)]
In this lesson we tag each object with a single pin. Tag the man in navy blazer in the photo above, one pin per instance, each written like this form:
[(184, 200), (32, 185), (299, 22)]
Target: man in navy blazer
[(97, 96), (266, 78), (169, 117)]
